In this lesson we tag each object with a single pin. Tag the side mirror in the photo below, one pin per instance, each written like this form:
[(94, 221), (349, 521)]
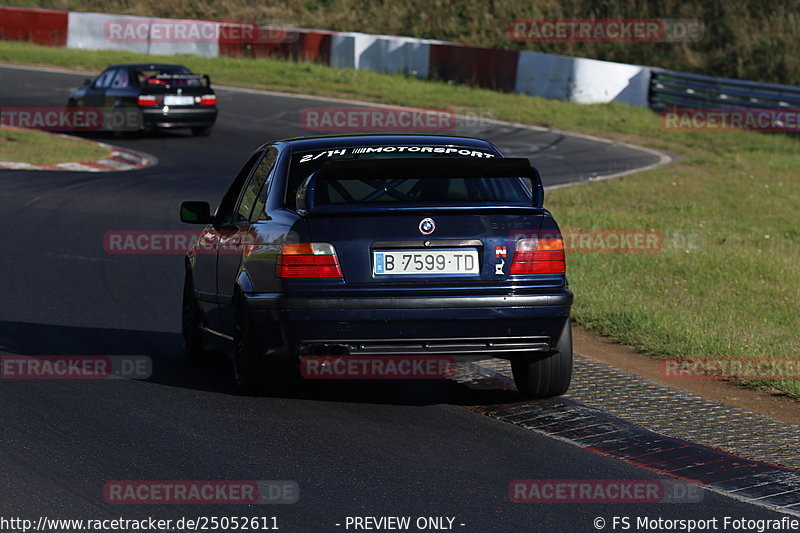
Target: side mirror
[(196, 213), (87, 83)]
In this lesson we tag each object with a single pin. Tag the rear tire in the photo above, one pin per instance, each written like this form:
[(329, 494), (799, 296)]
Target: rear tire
[(253, 374), (550, 376), (201, 132)]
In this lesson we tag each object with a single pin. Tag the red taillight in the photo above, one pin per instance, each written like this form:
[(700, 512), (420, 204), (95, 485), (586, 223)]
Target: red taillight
[(308, 260), (539, 256), (208, 99), (147, 101)]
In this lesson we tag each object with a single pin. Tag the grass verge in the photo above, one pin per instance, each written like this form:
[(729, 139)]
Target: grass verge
[(42, 148), (736, 294)]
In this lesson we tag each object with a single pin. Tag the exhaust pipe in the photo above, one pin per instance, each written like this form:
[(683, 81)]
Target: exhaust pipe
[(325, 349), (339, 349)]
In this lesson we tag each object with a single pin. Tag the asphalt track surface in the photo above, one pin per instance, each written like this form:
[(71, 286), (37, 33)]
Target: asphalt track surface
[(355, 449)]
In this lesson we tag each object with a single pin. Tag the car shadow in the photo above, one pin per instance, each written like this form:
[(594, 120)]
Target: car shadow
[(212, 374), (108, 137)]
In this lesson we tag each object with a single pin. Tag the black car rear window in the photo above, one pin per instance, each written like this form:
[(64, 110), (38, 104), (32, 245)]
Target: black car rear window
[(402, 191)]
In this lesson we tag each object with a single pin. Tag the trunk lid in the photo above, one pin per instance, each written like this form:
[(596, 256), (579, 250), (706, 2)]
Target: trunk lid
[(465, 247)]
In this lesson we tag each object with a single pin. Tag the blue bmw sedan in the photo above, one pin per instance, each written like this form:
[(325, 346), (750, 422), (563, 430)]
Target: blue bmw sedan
[(379, 246)]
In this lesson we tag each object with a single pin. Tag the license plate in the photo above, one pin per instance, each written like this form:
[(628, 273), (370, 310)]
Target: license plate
[(178, 100), (427, 262)]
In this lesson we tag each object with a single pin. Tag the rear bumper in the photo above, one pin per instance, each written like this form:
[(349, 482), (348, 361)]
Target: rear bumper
[(178, 118), (501, 326)]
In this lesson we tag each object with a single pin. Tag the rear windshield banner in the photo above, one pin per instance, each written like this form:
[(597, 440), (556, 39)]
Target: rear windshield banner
[(352, 152)]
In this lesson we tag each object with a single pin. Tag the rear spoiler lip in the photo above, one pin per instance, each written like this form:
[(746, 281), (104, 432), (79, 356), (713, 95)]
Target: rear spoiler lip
[(427, 168), (378, 210)]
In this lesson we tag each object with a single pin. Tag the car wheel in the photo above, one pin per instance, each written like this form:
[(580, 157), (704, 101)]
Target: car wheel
[(190, 322), (201, 132), (253, 374), (549, 376)]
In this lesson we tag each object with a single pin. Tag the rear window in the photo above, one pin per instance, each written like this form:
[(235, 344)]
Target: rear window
[(420, 191), (402, 191)]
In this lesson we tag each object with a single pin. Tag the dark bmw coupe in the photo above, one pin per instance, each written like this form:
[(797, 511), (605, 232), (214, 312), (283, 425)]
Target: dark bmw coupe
[(164, 97)]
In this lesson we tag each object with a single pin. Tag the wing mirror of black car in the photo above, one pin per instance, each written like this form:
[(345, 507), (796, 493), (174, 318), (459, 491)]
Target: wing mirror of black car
[(87, 83), (196, 213)]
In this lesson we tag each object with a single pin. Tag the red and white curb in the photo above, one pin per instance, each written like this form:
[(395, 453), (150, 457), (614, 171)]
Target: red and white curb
[(119, 160), (760, 483)]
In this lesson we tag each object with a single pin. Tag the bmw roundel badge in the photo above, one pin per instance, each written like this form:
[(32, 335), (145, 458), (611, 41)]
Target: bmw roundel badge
[(426, 226)]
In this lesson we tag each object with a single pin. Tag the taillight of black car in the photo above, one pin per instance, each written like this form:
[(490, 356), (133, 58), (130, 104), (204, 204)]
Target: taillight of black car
[(147, 100), (539, 256), (308, 260), (208, 99)]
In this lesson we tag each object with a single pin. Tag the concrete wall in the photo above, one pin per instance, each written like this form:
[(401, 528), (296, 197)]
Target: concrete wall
[(586, 81), (40, 26), (382, 53), (95, 31), (575, 79)]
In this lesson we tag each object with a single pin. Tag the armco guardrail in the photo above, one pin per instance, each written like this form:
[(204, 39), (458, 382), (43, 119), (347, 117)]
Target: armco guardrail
[(670, 88)]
